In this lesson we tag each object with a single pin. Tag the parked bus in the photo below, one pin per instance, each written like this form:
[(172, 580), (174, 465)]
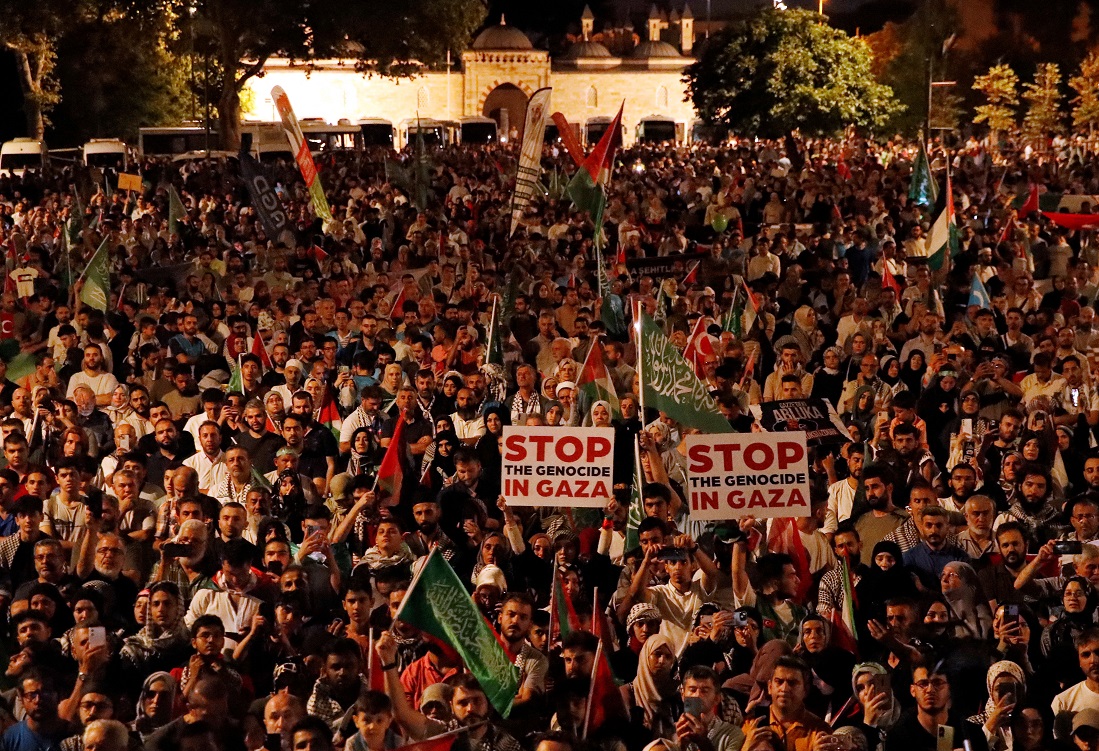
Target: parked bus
[(657, 129), (376, 131), (479, 130), (172, 141)]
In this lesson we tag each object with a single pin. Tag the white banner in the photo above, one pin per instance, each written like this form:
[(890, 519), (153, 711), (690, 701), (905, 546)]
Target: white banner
[(731, 475), (544, 466), (530, 158)]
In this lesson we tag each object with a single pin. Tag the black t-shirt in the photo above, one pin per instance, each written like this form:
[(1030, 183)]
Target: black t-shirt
[(262, 450)]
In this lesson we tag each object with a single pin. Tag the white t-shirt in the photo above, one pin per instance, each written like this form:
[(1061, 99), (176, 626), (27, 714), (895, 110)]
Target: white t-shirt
[(841, 498), (1067, 703), (103, 383), (678, 610)]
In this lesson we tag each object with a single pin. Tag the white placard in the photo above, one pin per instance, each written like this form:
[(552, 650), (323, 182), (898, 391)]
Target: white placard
[(730, 475), (545, 466)]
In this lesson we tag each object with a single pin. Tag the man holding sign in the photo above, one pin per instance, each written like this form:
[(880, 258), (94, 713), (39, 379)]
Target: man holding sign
[(544, 466)]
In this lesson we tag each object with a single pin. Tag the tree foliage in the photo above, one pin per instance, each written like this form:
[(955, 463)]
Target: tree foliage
[(780, 71), (117, 73), (30, 31), (1043, 95), (1085, 111), (1000, 89), (386, 37)]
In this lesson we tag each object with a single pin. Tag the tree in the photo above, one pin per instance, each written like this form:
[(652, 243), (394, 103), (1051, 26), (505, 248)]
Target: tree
[(999, 87), (1043, 116), (117, 73), (390, 38), (780, 71), (30, 30), (1085, 113)]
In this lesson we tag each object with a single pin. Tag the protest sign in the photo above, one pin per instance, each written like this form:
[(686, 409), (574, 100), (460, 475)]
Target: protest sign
[(814, 417), (673, 265), (544, 466), (129, 182), (747, 474)]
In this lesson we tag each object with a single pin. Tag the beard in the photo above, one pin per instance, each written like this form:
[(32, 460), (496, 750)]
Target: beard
[(876, 502), (428, 528)]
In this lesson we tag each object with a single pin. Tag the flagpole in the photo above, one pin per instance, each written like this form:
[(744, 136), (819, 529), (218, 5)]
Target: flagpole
[(591, 690), (412, 586), (640, 366), (553, 594)]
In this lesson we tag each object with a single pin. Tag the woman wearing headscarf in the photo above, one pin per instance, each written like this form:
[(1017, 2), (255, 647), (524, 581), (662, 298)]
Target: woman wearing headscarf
[(805, 332), (163, 642), (889, 372), (154, 704), (1079, 600), (938, 408), (886, 578), (438, 463), (1006, 489), (965, 431), (747, 633), (288, 502), (875, 706), (360, 459), (831, 667), (652, 699), (966, 601), (600, 414), (487, 447), (864, 410), (827, 379), (1006, 685), (913, 370)]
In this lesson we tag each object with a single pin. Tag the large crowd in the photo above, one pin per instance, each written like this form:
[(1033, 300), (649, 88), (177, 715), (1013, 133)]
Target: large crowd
[(198, 553)]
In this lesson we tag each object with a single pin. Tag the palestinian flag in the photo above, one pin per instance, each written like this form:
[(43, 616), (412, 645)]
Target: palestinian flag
[(585, 190), (374, 673), (942, 241), (437, 743), (396, 312), (260, 351), (563, 617), (390, 471), (844, 628), (888, 281), (692, 275), (604, 697), (785, 537), (922, 189), (595, 382), (1031, 204), (329, 414), (751, 309), (316, 252), (439, 604)]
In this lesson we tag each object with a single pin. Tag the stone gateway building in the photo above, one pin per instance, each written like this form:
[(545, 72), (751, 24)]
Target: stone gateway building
[(497, 75)]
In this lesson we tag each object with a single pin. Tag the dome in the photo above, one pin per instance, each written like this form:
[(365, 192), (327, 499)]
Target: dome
[(587, 49), (502, 37), (654, 49)]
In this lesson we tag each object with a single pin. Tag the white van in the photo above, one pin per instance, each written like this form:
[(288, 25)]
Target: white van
[(21, 154), (107, 153)]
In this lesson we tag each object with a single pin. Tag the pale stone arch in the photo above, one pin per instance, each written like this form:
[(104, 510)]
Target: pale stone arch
[(592, 97), (662, 98)]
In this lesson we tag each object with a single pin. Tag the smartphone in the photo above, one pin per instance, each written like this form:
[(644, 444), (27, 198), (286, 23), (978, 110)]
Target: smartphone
[(944, 738), (1068, 547), (344, 369), (1011, 613), (693, 706), (672, 554), (97, 637), (176, 549), (967, 426), (740, 618)]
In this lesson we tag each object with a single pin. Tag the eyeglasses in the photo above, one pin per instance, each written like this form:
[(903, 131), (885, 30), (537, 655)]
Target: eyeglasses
[(930, 683), (95, 705), (113, 551)]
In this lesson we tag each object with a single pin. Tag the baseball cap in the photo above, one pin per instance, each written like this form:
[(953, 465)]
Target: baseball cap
[(340, 486), (1085, 718)]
